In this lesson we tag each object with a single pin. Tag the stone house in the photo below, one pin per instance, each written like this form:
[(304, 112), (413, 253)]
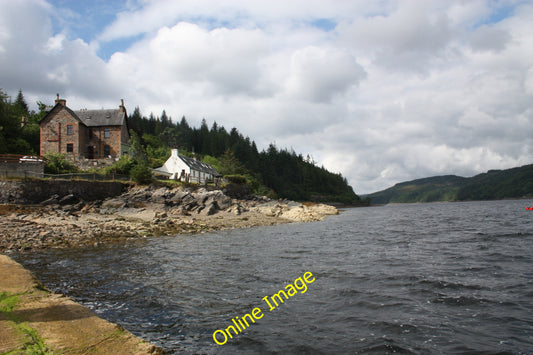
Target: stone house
[(85, 134), (182, 168)]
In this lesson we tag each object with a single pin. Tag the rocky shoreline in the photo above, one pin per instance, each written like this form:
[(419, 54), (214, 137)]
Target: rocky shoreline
[(66, 221)]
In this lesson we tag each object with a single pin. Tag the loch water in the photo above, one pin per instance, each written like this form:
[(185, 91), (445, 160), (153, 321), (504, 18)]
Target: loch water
[(452, 278)]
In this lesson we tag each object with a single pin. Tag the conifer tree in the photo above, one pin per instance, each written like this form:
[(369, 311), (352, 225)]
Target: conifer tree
[(21, 105)]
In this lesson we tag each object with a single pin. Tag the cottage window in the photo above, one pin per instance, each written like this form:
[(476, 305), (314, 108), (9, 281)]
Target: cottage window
[(90, 133), (107, 150), (107, 132), (69, 130), (70, 147)]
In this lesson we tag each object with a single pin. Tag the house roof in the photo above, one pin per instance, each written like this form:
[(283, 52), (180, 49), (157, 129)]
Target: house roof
[(170, 165), (199, 165), (92, 118)]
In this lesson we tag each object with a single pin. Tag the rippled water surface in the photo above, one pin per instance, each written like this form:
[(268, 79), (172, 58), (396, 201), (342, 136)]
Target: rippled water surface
[(423, 278)]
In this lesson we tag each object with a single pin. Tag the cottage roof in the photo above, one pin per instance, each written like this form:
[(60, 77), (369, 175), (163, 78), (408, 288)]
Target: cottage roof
[(92, 118), (172, 165), (199, 165)]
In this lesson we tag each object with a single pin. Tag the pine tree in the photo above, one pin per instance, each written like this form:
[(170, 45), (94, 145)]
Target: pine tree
[(165, 122), (21, 105)]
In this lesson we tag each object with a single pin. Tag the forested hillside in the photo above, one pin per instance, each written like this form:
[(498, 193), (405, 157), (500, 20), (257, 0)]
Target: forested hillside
[(492, 185), (276, 172)]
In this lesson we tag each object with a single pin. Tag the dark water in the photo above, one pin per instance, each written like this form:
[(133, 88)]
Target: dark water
[(424, 279)]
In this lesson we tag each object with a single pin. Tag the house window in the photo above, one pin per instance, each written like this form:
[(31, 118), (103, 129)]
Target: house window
[(90, 133), (69, 129), (107, 150), (70, 147), (107, 132)]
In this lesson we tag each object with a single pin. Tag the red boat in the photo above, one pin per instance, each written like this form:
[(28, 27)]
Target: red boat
[(529, 208)]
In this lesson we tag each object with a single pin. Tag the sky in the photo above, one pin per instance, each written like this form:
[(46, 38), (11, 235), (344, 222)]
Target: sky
[(380, 91)]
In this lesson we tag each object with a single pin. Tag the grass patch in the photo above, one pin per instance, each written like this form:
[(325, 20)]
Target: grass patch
[(34, 344), (7, 303)]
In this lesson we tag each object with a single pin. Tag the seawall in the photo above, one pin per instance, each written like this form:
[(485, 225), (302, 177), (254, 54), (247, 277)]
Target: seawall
[(33, 318), (37, 191)]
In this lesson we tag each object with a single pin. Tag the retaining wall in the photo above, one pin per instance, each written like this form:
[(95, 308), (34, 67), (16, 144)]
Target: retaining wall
[(24, 169), (34, 192)]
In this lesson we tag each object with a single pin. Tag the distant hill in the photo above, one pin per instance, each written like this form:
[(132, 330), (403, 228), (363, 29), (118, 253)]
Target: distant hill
[(492, 185)]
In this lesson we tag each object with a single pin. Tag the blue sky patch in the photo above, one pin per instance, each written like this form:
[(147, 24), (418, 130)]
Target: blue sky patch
[(324, 24)]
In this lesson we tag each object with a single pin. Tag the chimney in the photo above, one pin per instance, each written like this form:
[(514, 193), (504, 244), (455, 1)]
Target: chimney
[(122, 107), (61, 101), (174, 153)]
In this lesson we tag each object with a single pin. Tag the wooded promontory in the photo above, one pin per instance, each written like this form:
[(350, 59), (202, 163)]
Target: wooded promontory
[(274, 172)]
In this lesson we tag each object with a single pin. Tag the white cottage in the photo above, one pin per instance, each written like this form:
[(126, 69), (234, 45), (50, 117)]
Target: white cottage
[(179, 167)]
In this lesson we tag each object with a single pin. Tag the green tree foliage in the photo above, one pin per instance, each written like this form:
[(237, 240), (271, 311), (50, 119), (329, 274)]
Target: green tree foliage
[(59, 164), (123, 166), (274, 172), (19, 128), (230, 165), (141, 174), (214, 162), (20, 104), (137, 149)]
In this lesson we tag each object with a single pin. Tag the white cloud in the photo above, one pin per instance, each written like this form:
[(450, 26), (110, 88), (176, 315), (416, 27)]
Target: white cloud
[(318, 74), (389, 91), (489, 38), (38, 61), (150, 15), (54, 45)]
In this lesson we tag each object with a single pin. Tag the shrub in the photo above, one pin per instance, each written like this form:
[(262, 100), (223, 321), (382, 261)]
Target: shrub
[(122, 166), (141, 174), (58, 164), (236, 179)]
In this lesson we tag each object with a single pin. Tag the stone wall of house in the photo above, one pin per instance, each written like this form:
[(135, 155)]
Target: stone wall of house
[(99, 141), (25, 169), (34, 192), (56, 135)]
